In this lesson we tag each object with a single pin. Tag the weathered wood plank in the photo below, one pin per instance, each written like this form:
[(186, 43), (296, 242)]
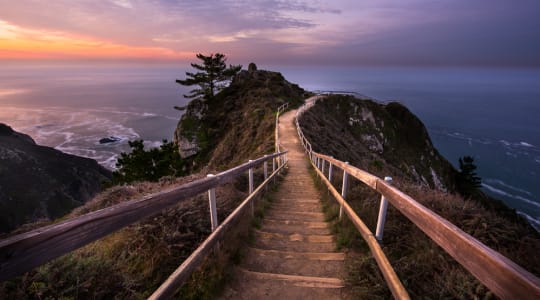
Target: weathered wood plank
[(501, 275), (182, 273), (365, 177), (395, 285), (23, 252)]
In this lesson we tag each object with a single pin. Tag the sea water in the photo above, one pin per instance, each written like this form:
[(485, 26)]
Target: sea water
[(490, 114), (71, 107)]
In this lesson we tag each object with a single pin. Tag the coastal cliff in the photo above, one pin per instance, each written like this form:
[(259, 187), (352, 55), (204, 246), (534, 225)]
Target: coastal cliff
[(386, 139), (381, 138), (38, 182)]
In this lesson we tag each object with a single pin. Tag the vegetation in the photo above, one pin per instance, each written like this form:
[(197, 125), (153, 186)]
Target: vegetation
[(467, 181), (215, 127), (148, 165), (426, 271), (212, 77)]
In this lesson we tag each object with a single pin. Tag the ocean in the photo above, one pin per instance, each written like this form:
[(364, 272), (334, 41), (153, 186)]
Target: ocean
[(490, 114)]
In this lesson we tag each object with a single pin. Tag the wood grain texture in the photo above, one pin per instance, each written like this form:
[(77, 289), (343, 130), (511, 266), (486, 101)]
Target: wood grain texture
[(390, 276), (182, 273), (501, 275), (23, 252)]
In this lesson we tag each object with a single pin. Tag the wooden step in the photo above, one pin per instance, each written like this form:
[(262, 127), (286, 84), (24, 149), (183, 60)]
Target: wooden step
[(296, 222), (295, 237), (293, 263), (312, 207), (282, 227), (297, 280), (297, 214), (317, 256)]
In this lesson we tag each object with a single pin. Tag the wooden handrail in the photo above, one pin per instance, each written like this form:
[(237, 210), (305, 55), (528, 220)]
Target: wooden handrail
[(395, 285), (182, 273), (23, 252), (280, 110), (501, 275)]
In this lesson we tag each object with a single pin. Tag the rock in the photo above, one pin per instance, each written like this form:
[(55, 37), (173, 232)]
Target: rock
[(252, 67), (41, 182), (108, 140)]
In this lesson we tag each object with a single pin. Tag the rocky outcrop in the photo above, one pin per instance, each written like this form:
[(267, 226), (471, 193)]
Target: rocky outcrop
[(41, 182)]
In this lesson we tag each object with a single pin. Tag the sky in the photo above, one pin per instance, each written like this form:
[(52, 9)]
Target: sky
[(338, 32)]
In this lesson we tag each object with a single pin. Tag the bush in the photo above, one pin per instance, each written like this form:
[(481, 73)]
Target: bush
[(151, 165)]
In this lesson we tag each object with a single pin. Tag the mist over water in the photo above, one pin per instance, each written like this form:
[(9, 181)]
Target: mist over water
[(491, 114)]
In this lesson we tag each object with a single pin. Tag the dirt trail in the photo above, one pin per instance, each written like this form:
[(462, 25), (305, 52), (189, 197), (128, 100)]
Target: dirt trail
[(294, 254)]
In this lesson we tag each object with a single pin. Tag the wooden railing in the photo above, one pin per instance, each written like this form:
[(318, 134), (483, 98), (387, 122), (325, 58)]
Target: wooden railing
[(502, 276), (23, 252), (280, 110)]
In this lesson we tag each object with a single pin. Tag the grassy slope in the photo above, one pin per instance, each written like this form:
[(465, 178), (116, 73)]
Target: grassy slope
[(426, 270), (133, 262)]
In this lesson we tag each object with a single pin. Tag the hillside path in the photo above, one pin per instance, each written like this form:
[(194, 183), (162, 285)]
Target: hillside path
[(294, 253)]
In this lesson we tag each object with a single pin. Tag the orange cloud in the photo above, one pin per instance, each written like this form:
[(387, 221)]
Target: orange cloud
[(22, 43)]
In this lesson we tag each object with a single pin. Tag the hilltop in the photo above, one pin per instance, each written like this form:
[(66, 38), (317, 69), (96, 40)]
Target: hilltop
[(238, 123)]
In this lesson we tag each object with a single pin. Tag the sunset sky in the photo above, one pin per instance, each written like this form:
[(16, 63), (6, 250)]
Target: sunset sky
[(340, 32)]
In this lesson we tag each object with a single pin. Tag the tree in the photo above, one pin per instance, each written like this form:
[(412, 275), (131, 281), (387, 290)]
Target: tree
[(142, 165), (468, 182), (212, 78)]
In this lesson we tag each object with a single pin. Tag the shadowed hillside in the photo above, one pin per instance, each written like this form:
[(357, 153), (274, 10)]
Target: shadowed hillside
[(39, 182)]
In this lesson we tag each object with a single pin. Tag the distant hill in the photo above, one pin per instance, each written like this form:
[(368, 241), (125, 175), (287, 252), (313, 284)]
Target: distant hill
[(41, 182)]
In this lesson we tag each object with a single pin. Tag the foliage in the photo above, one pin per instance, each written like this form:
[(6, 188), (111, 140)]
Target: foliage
[(468, 182), (143, 165), (212, 78)]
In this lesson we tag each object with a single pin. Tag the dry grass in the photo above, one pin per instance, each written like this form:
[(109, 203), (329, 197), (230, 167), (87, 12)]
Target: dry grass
[(424, 268)]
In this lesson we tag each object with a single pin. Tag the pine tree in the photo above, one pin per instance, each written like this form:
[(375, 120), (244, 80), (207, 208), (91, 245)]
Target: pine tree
[(213, 76), (468, 182)]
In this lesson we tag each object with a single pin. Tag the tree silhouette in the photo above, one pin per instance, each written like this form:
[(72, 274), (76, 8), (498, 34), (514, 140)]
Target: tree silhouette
[(151, 165), (468, 182), (213, 76)]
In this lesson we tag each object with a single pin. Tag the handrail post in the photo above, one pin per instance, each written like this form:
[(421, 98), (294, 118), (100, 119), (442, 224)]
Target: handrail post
[(330, 171), (323, 162), (274, 168), (212, 205), (344, 189), (382, 213), (265, 168), (250, 173)]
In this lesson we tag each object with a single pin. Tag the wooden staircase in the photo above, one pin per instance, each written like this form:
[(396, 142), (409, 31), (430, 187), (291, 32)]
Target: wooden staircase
[(294, 253)]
